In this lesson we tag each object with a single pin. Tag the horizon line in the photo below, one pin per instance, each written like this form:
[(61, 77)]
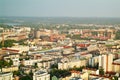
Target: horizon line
[(59, 17)]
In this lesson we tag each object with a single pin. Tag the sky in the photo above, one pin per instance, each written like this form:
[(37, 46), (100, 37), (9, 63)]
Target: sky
[(60, 8)]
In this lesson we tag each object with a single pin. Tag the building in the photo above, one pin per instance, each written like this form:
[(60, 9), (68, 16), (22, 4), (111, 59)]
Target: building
[(93, 61), (105, 61), (42, 32), (90, 70), (45, 64), (11, 56), (19, 48), (6, 76), (41, 75), (98, 77), (75, 78), (72, 64), (79, 75), (102, 34), (10, 69), (116, 66), (30, 62)]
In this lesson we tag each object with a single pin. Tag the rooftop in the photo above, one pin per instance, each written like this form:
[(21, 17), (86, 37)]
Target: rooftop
[(117, 61), (41, 73)]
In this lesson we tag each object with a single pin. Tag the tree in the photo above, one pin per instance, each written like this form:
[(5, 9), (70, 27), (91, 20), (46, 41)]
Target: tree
[(31, 73), (75, 46), (25, 78), (7, 43), (115, 78), (59, 73), (16, 73), (54, 66), (10, 62), (35, 65), (101, 71), (117, 35)]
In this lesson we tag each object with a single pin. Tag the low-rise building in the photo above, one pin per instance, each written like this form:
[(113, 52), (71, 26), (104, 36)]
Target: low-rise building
[(45, 64), (79, 75), (90, 70), (41, 75), (30, 62), (20, 48), (116, 65), (99, 77), (72, 64), (6, 76), (10, 69), (11, 56)]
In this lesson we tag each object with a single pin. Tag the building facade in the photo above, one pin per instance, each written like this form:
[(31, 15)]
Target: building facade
[(6, 76), (41, 75)]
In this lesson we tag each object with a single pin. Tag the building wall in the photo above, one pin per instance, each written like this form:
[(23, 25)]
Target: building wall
[(44, 64), (116, 68), (105, 61), (6, 76), (72, 64), (30, 62), (42, 76), (10, 69)]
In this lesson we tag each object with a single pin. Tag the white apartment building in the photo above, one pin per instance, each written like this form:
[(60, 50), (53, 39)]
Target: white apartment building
[(41, 75), (6, 76), (105, 61), (20, 48), (72, 64), (30, 62)]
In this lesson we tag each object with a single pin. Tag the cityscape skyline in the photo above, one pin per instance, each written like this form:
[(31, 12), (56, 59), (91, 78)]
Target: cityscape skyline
[(62, 8), (59, 40)]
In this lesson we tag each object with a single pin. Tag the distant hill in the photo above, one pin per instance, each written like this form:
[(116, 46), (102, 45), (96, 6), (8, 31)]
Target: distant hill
[(59, 20)]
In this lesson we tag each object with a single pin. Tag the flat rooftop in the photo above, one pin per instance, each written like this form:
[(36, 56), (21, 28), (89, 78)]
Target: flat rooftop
[(117, 61)]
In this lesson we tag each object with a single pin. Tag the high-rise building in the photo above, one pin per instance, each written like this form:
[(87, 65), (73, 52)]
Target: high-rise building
[(105, 61)]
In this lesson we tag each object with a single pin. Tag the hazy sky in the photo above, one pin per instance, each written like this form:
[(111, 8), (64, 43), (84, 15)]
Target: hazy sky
[(60, 8)]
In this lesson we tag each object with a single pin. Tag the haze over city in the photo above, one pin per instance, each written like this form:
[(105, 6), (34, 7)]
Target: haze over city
[(60, 8), (59, 40)]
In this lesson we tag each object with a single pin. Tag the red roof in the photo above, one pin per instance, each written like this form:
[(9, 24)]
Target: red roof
[(116, 63), (90, 69), (10, 49), (100, 75), (82, 45), (110, 72), (67, 46)]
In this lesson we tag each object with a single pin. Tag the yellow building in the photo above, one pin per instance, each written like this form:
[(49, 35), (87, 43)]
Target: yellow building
[(116, 66), (6, 76), (78, 74), (10, 69), (72, 64)]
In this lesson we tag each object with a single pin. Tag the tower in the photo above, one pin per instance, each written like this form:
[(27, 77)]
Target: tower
[(105, 61)]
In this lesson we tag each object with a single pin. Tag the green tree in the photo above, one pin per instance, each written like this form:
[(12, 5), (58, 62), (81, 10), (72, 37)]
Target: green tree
[(59, 73), (115, 78), (10, 63), (35, 65), (117, 35), (7, 43), (31, 73), (101, 71), (3, 63), (25, 78), (54, 66), (16, 73)]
